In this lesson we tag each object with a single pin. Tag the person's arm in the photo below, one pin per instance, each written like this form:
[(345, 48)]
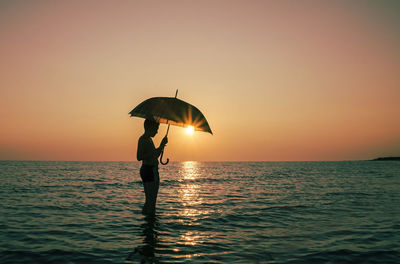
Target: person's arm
[(146, 150), (157, 151)]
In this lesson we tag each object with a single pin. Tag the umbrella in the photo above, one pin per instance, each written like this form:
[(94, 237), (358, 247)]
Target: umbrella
[(172, 111)]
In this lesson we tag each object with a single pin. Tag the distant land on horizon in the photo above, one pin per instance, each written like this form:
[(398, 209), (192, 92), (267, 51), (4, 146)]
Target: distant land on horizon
[(386, 158)]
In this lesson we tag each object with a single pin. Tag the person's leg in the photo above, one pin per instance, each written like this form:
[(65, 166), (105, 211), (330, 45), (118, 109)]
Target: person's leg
[(157, 185), (146, 201), (147, 175), (150, 189)]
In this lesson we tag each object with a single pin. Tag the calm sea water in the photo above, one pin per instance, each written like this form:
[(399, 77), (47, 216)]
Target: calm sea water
[(245, 212)]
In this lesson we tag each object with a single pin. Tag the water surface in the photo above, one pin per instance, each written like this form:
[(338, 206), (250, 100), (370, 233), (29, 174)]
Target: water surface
[(238, 212)]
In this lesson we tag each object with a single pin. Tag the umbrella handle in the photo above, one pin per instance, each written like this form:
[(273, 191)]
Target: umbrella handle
[(162, 152), (163, 163)]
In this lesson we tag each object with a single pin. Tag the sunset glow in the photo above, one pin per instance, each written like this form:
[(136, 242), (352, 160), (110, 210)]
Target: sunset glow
[(276, 80)]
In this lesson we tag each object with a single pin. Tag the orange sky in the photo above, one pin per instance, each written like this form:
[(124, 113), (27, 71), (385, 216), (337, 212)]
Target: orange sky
[(277, 80)]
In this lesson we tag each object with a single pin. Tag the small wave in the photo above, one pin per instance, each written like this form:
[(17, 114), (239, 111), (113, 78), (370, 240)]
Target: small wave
[(349, 256), (286, 207), (197, 181), (347, 194), (94, 180), (70, 169), (50, 256)]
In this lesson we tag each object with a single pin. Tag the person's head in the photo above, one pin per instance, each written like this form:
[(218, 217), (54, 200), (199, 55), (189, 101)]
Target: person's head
[(151, 127)]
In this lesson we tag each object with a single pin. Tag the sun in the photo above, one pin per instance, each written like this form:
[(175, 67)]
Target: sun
[(190, 130)]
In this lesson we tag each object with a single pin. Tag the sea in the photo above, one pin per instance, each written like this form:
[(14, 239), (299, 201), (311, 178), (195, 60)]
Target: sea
[(207, 212)]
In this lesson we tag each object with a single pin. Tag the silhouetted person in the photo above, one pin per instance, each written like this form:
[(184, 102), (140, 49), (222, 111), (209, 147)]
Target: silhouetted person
[(148, 154)]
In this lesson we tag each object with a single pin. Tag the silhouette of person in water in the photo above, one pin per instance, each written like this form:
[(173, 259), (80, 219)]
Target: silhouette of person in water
[(148, 154)]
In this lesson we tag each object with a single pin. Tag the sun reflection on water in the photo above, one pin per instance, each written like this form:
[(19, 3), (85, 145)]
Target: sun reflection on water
[(191, 238), (189, 190), (191, 200), (190, 170)]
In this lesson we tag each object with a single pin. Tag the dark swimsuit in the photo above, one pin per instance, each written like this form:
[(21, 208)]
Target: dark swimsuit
[(147, 173)]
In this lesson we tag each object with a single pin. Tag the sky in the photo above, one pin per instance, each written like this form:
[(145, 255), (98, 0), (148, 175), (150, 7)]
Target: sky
[(276, 80)]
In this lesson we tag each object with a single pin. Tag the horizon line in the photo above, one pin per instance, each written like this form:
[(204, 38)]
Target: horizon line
[(180, 161)]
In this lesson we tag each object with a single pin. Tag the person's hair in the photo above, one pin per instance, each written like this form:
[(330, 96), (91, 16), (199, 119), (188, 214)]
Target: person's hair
[(148, 124)]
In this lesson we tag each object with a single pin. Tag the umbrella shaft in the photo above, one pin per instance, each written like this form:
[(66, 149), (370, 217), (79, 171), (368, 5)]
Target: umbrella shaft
[(176, 94)]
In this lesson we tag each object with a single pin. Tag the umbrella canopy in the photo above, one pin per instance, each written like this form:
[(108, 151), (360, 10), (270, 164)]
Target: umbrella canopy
[(173, 111)]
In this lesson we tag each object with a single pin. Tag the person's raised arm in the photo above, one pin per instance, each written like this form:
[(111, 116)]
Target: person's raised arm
[(146, 150)]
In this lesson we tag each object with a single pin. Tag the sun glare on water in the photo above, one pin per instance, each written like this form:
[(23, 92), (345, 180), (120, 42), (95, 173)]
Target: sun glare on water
[(190, 130)]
